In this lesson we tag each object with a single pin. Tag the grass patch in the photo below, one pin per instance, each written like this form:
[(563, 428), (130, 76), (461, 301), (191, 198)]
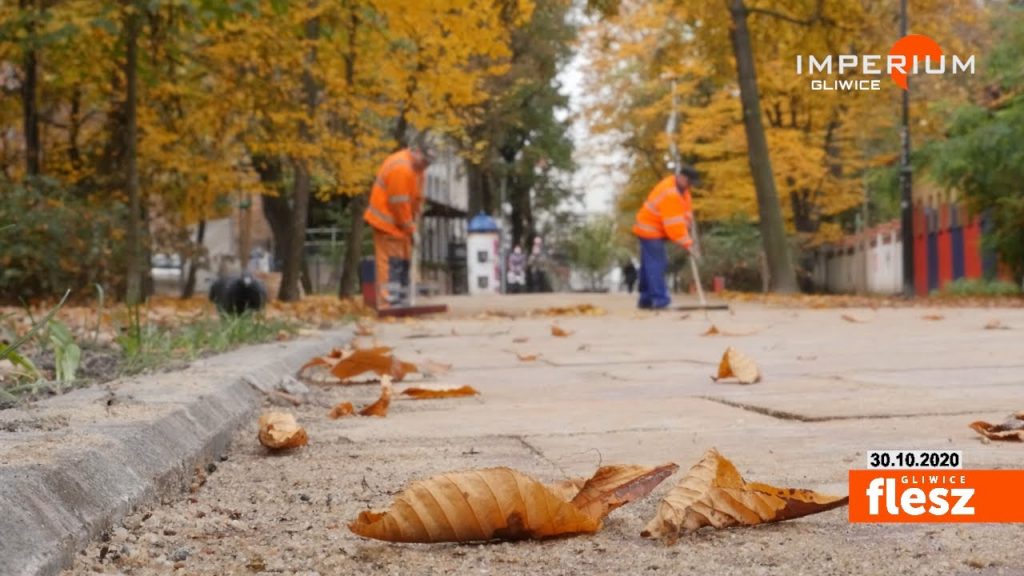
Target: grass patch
[(979, 287), (149, 347), (47, 361)]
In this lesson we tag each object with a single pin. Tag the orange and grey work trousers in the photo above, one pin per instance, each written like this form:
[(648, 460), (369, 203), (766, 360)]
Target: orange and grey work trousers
[(391, 255)]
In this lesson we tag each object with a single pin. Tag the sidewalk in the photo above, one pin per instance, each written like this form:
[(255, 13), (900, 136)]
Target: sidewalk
[(625, 387)]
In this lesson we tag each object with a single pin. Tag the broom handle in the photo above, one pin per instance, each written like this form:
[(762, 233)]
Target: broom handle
[(696, 278)]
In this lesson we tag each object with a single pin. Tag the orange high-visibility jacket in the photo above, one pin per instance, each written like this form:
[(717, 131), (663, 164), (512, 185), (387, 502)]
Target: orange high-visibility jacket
[(396, 196), (666, 214)]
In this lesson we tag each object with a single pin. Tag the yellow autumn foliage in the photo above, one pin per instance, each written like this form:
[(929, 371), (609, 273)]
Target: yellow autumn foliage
[(820, 141)]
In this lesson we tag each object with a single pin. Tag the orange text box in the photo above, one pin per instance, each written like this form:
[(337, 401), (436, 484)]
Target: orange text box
[(936, 496)]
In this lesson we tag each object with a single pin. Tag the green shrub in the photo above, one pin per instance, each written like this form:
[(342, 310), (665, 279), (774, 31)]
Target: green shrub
[(731, 249), (55, 239), (979, 287)]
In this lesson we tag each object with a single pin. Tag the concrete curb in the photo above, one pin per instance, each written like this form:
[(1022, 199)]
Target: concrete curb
[(72, 466)]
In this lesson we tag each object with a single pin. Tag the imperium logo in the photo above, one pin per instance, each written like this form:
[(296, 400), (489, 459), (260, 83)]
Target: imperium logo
[(912, 54)]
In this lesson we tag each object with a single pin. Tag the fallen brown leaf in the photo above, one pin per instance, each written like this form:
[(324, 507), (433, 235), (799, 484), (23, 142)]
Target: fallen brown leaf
[(341, 410), (478, 505), (347, 364), (430, 393), (615, 486), (714, 330), (932, 317), (527, 357), (380, 407), (503, 504), (279, 431), (581, 309), (736, 364), (378, 360), (559, 332), (1012, 429), (714, 494), (328, 361)]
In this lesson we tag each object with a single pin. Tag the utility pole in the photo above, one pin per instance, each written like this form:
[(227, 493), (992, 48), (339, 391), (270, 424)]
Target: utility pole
[(906, 188)]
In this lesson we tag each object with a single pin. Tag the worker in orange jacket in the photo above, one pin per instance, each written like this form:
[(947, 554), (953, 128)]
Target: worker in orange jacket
[(395, 203), (667, 214)]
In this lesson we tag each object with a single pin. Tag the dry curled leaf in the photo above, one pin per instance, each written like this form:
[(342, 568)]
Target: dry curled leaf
[(503, 504), (712, 331), (932, 317), (380, 407), (341, 410), (736, 364), (419, 393), (527, 357), (328, 361), (279, 431), (1012, 429), (479, 505), (559, 332), (714, 494), (347, 364), (615, 486)]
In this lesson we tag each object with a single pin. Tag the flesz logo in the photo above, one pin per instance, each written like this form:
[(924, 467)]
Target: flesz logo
[(923, 495)]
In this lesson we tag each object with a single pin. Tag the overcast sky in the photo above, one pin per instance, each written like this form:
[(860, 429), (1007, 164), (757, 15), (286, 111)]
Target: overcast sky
[(595, 176)]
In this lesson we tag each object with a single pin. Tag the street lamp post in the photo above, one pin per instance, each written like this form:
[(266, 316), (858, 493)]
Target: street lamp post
[(906, 188)]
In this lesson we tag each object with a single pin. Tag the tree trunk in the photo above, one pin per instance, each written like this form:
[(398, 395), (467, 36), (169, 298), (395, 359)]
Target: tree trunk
[(279, 216), (480, 196), (348, 285), (189, 289), (300, 199), (354, 248), (74, 128), (782, 277), (133, 237), (28, 94)]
